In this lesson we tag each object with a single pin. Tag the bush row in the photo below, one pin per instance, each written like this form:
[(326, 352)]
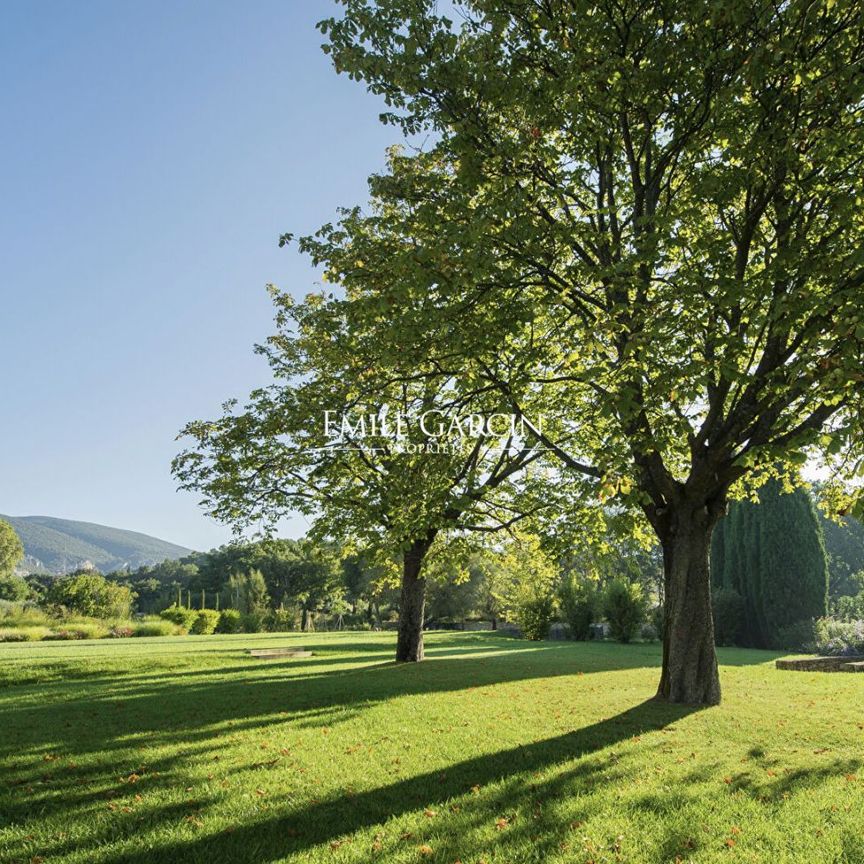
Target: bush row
[(85, 629), (204, 621)]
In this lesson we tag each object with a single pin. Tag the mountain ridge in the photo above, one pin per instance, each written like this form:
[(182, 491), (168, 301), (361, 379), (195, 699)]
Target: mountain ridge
[(61, 545)]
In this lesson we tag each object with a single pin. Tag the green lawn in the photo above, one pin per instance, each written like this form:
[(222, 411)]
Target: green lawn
[(186, 749)]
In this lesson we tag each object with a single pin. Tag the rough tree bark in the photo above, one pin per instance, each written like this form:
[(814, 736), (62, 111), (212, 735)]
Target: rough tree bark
[(412, 603), (689, 672)]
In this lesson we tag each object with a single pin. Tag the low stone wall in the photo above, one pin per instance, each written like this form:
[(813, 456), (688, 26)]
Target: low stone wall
[(823, 664)]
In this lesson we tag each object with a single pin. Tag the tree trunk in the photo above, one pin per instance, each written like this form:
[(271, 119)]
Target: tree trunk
[(412, 604), (307, 621), (689, 661)]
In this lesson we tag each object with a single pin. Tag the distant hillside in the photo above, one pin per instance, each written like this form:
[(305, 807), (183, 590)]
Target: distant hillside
[(59, 545)]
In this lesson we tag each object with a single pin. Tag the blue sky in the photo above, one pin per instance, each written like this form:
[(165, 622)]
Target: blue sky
[(152, 153)]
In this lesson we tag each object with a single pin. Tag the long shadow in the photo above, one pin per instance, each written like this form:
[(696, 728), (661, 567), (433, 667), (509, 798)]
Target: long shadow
[(79, 719), (169, 708), (58, 667), (341, 816)]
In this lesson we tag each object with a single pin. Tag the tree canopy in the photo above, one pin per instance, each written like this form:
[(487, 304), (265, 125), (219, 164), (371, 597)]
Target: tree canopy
[(670, 196), (11, 550), (641, 219)]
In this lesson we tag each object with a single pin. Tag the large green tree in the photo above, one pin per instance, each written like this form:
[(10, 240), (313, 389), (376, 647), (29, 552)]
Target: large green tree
[(386, 479), (660, 202)]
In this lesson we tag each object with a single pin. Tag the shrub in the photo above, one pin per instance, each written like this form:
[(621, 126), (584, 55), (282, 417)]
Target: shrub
[(799, 636), (63, 635), (91, 594), (533, 615), (204, 622), (22, 615), (648, 632), (282, 620), (23, 634), (230, 621), (179, 615), (13, 588), (89, 627), (624, 608), (254, 622), (579, 603), (850, 608), (728, 608), (156, 627), (839, 638), (78, 630)]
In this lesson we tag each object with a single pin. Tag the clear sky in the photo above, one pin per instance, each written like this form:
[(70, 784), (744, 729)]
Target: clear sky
[(151, 153)]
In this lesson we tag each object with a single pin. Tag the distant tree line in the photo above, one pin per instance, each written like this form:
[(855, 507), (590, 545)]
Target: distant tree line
[(777, 564)]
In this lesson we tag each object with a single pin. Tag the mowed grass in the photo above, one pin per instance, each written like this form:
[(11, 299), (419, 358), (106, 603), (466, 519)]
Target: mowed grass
[(495, 750)]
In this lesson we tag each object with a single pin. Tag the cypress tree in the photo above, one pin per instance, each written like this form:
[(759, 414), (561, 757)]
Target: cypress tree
[(792, 561), (773, 554)]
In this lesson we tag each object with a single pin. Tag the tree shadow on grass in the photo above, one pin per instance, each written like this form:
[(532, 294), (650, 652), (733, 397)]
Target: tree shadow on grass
[(66, 665), (178, 707), (193, 704), (103, 727), (334, 820)]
